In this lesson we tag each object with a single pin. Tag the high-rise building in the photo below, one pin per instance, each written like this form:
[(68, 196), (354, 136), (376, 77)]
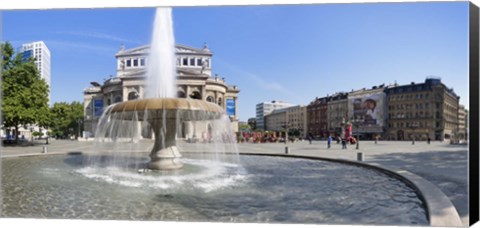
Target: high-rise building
[(265, 108), (40, 52)]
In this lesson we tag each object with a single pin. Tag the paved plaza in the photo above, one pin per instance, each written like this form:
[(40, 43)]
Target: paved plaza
[(444, 165)]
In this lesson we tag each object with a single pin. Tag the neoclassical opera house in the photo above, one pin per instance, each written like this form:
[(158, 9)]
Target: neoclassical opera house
[(194, 80)]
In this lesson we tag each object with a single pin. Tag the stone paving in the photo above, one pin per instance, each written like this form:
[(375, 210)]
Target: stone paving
[(444, 165)]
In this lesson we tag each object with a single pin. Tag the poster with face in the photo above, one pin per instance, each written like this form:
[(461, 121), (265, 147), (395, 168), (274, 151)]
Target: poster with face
[(367, 110)]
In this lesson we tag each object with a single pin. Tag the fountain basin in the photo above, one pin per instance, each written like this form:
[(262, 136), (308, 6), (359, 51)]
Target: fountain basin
[(164, 116), (314, 192)]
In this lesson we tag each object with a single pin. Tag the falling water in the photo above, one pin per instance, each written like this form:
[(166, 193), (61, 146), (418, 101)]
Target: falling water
[(161, 73), (127, 130)]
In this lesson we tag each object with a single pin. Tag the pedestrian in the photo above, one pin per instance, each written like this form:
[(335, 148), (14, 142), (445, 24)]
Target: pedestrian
[(329, 141), (428, 140), (310, 138), (344, 143)]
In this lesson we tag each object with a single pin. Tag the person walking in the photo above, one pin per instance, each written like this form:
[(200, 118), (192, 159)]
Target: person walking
[(428, 140), (344, 143), (329, 141), (310, 138)]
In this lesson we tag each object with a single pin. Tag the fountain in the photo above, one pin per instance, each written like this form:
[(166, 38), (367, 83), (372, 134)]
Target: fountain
[(299, 190), (161, 110)]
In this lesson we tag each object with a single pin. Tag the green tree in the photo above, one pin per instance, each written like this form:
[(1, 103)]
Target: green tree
[(67, 119), (244, 127), (25, 94)]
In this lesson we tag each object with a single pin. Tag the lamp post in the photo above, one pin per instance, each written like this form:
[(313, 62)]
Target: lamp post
[(46, 128), (31, 133), (356, 122), (79, 122)]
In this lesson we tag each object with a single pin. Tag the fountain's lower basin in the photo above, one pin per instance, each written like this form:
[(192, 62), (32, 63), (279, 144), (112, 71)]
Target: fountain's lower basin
[(263, 189)]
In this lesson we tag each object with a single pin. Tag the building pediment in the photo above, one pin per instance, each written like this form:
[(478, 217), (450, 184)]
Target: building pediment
[(190, 73), (179, 49), (142, 50)]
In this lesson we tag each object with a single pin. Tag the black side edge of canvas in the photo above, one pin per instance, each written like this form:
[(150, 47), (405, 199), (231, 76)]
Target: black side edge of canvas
[(474, 109)]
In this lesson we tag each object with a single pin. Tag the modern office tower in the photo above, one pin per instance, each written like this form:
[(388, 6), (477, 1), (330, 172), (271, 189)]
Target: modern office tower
[(265, 108), (41, 53)]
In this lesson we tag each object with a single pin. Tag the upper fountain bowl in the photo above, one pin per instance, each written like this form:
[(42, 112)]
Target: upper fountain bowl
[(179, 108)]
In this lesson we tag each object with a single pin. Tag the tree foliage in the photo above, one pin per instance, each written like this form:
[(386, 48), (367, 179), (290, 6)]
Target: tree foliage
[(25, 94), (65, 119), (244, 127)]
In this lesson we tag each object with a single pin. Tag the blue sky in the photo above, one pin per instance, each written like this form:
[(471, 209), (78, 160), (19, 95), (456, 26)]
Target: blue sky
[(292, 53)]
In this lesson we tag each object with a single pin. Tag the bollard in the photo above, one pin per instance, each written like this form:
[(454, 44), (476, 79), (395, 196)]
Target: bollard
[(286, 150), (44, 149), (359, 156)]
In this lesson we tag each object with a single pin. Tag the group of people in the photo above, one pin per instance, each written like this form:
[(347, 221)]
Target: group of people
[(342, 140)]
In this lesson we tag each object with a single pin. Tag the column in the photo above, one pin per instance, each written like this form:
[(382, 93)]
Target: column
[(187, 91), (125, 94), (141, 93)]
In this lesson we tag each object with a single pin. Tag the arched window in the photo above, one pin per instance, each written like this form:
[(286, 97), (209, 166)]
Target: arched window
[(132, 96), (210, 99), (220, 102), (196, 95)]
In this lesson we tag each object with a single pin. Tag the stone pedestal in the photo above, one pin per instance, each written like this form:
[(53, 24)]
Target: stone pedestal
[(165, 154), (165, 159)]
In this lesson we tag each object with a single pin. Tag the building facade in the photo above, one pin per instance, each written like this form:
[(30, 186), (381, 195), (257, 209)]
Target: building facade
[(276, 120), (421, 111), (461, 134), (337, 113), (194, 80), (265, 108), (40, 52), (293, 118), (297, 119), (367, 112), (317, 117)]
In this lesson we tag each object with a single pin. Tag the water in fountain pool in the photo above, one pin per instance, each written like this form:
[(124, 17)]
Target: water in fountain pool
[(269, 189)]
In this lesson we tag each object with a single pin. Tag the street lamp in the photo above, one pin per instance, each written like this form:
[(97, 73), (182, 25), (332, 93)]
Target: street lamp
[(79, 122), (46, 128), (31, 133), (357, 122)]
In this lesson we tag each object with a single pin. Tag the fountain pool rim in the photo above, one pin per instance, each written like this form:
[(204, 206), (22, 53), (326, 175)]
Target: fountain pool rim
[(440, 210), (167, 104)]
